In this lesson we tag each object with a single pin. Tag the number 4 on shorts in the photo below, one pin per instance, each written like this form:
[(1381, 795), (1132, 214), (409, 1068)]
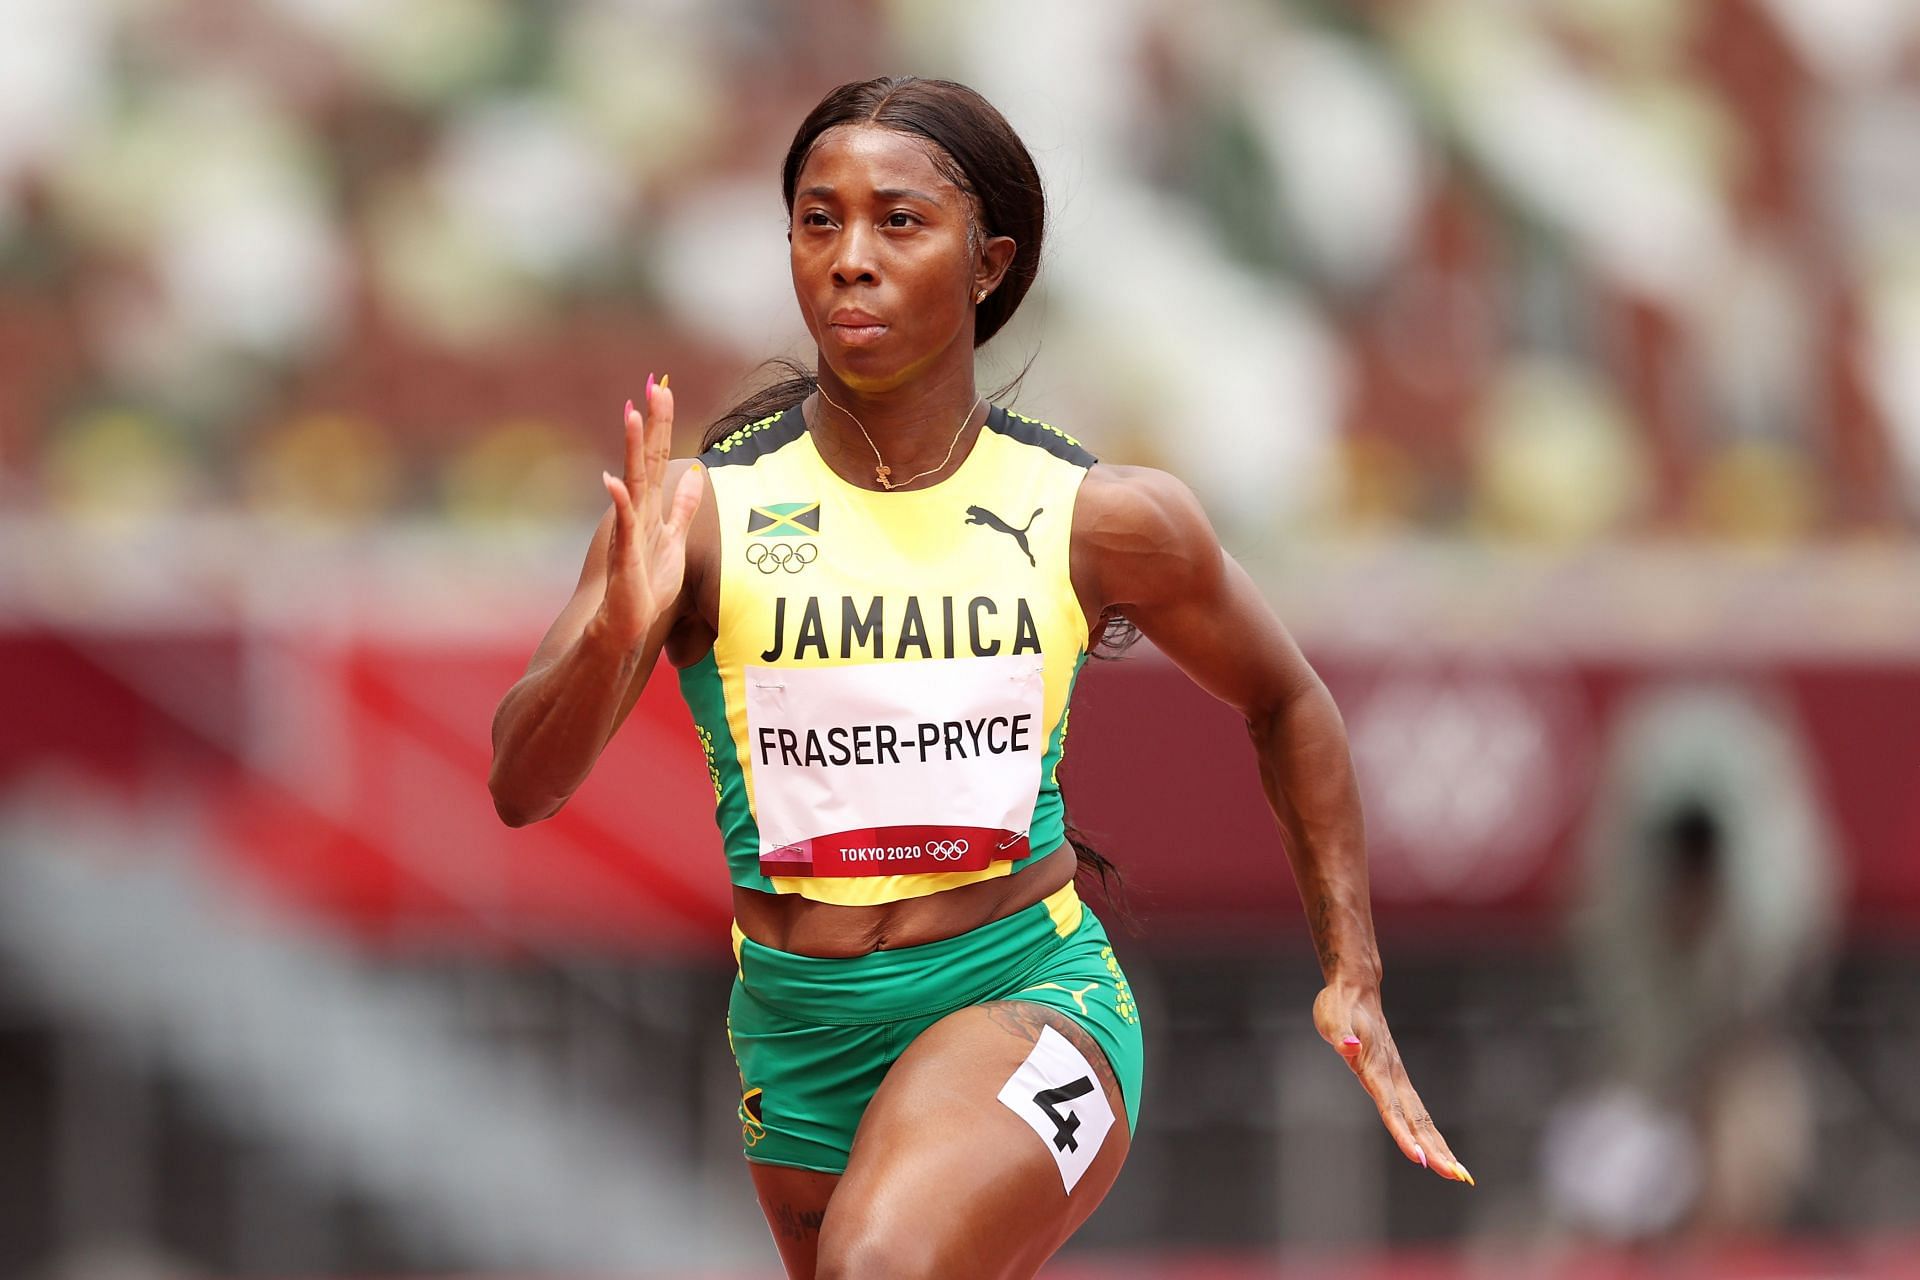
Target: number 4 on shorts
[(1071, 1118)]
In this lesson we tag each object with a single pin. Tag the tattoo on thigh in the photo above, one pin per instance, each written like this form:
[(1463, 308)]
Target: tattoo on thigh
[(1018, 1018), (1027, 1020), (797, 1224)]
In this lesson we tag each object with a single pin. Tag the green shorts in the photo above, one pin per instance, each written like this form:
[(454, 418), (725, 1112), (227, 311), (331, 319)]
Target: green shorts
[(814, 1036)]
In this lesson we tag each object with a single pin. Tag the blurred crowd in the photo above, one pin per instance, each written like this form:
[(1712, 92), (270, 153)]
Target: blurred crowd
[(1549, 272)]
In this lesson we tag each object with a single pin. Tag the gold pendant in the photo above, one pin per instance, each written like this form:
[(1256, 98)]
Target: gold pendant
[(881, 473)]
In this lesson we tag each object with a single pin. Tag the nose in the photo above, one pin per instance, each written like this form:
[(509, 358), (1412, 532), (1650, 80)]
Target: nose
[(854, 260)]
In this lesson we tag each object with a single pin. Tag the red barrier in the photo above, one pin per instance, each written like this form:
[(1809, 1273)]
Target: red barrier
[(353, 777)]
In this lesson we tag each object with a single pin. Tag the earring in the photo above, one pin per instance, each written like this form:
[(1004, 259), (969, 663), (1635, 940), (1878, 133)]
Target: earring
[(980, 296)]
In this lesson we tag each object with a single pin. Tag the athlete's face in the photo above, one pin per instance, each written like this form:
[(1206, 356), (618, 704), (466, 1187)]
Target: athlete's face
[(883, 263)]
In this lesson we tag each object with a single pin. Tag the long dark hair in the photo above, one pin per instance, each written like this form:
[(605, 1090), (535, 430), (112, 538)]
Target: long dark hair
[(979, 152)]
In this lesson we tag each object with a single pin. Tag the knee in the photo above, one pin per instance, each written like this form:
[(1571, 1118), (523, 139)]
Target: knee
[(895, 1256)]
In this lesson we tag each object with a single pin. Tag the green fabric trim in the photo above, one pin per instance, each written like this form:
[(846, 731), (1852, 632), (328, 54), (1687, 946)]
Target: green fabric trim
[(1049, 825), (706, 698)]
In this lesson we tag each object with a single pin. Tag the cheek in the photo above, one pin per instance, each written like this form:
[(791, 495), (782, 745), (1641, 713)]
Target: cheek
[(944, 281), (801, 259), (810, 277)]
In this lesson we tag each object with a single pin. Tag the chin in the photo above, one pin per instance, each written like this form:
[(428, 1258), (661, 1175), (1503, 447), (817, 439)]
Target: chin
[(865, 369)]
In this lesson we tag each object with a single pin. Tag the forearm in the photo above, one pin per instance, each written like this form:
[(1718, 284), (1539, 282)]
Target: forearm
[(1308, 775), (552, 725)]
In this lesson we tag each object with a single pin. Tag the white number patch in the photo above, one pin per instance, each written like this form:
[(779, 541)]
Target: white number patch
[(1057, 1092)]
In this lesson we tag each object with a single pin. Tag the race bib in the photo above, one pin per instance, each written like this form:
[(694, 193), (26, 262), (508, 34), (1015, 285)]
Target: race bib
[(895, 768), (1057, 1092)]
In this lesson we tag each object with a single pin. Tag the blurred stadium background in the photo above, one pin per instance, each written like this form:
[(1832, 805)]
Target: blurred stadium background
[(1555, 365)]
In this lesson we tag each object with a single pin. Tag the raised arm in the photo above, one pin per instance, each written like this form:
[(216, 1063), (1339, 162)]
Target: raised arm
[(1143, 546), (594, 660)]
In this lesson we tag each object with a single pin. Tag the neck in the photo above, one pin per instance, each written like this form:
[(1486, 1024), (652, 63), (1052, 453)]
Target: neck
[(912, 428)]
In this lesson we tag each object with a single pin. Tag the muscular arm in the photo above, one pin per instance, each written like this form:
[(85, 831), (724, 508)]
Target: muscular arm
[(1142, 546), (580, 684), (643, 582)]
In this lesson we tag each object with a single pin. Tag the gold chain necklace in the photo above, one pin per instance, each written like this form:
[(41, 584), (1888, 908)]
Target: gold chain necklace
[(881, 470)]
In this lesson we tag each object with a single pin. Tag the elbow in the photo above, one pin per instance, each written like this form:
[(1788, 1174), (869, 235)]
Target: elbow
[(516, 814), (512, 814), (511, 809), (1261, 723), (1267, 717), (1299, 704), (518, 810)]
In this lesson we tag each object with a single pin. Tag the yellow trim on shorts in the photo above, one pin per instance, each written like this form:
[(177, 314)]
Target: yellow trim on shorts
[(1065, 907), (739, 936)]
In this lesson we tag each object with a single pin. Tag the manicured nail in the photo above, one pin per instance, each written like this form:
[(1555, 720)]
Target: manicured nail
[(663, 379), (1464, 1175), (1423, 1157), (629, 408), (1351, 1042), (649, 391)]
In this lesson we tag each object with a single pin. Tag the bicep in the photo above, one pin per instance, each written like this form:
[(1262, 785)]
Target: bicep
[(1159, 562), (1221, 632)]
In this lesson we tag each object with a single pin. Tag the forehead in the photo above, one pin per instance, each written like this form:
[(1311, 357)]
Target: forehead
[(852, 158)]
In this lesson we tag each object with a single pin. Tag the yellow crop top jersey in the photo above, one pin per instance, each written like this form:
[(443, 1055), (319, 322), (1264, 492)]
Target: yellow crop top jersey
[(885, 707)]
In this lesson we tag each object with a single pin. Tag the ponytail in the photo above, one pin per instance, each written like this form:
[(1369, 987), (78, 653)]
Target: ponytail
[(781, 395)]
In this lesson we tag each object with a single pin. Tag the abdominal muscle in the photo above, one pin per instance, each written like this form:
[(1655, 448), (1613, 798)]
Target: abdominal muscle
[(789, 922)]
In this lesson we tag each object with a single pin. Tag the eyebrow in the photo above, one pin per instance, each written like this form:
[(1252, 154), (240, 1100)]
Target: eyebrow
[(885, 193)]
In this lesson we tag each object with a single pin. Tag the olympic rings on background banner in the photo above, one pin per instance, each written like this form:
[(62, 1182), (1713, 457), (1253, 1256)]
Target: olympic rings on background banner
[(771, 557), (946, 850)]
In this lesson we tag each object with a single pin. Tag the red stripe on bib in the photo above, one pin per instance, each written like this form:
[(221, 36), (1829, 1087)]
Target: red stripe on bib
[(896, 851)]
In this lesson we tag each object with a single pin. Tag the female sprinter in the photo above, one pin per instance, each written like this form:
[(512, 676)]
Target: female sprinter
[(877, 589)]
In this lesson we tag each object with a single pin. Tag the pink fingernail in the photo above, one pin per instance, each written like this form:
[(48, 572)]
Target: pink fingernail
[(1351, 1041), (1423, 1157), (629, 408), (649, 390)]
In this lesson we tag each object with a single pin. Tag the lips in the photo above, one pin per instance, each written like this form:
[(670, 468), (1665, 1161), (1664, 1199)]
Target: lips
[(855, 327)]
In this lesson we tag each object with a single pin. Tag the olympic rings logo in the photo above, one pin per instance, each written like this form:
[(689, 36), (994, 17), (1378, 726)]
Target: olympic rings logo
[(946, 850), (772, 557)]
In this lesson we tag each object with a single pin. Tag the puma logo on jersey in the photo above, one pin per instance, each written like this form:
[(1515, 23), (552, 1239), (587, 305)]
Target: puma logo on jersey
[(1079, 997), (982, 516)]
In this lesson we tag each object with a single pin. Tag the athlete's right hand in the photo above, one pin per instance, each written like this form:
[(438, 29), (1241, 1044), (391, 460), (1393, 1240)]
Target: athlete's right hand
[(647, 550)]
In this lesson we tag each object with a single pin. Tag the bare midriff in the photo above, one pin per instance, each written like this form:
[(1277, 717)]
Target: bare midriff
[(789, 922)]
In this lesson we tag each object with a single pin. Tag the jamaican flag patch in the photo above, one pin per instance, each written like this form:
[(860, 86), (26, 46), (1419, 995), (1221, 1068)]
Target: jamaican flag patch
[(784, 520)]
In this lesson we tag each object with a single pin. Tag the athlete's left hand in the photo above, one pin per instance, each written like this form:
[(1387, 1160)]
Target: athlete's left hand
[(1348, 1016)]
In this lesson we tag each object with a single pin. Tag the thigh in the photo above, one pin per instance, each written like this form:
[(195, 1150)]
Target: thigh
[(795, 1202), (947, 1180)]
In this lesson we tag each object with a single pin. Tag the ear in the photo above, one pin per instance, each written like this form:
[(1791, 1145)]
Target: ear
[(996, 255)]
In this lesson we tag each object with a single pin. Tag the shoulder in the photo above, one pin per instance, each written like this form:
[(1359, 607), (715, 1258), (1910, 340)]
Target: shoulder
[(1142, 533), (1140, 503)]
